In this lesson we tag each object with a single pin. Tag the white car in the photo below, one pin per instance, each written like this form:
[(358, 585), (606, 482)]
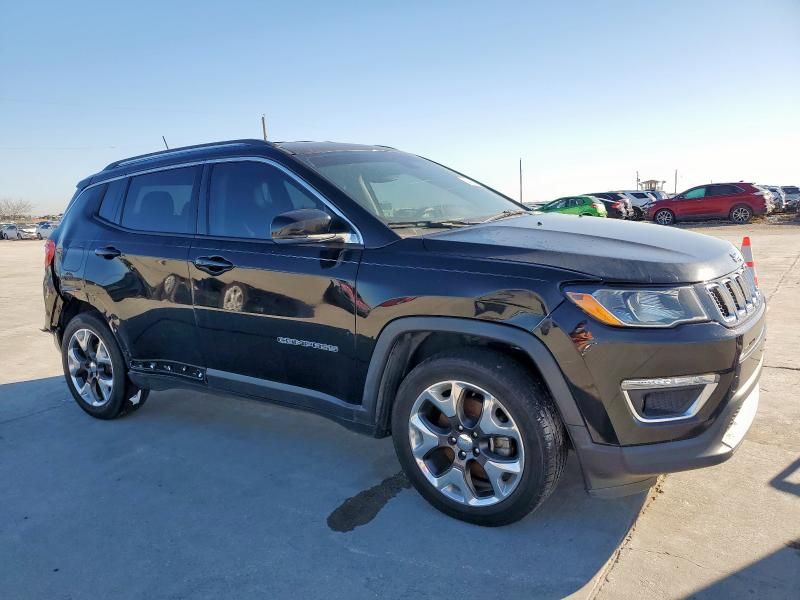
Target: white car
[(9, 231), (44, 229), (778, 197), (640, 200), (27, 232), (792, 195)]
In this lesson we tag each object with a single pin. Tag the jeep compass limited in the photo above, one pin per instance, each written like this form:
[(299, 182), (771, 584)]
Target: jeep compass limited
[(398, 297)]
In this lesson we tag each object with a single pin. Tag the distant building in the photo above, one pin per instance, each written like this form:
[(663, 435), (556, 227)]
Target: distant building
[(652, 185)]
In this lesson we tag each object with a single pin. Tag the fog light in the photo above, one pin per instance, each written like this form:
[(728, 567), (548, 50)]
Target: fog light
[(661, 399)]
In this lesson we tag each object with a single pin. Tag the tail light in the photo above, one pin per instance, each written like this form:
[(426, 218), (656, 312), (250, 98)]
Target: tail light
[(49, 252), (617, 205)]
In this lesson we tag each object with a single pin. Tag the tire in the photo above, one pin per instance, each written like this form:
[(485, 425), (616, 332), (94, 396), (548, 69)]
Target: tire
[(532, 436), (740, 214), (38, 236), (107, 364), (664, 217), (638, 215)]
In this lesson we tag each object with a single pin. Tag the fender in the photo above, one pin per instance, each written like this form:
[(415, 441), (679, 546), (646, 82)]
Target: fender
[(377, 404)]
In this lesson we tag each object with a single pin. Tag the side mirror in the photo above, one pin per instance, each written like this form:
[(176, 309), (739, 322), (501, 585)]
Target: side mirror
[(308, 225)]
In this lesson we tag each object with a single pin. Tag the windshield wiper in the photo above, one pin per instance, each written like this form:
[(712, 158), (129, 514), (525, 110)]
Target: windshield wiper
[(507, 213), (428, 224)]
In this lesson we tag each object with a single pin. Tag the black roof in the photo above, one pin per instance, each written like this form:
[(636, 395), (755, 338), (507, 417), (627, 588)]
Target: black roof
[(220, 150)]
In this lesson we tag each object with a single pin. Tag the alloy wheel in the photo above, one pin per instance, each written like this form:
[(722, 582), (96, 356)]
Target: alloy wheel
[(465, 443), (664, 217), (90, 367), (740, 215)]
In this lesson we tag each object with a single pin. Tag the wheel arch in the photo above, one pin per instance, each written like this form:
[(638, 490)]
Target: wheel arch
[(407, 341)]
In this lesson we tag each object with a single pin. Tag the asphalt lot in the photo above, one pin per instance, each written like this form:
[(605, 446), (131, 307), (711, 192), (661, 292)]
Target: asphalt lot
[(207, 497)]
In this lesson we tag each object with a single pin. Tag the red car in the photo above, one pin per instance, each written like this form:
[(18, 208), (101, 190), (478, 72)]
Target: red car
[(735, 201)]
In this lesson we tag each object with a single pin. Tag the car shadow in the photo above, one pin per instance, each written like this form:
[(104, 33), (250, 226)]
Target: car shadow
[(775, 576), (207, 496)]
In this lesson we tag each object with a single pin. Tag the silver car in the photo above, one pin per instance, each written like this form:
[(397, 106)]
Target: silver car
[(44, 229), (9, 231), (791, 194)]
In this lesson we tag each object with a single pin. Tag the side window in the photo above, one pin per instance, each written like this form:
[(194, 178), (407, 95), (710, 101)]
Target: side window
[(695, 193), (245, 197), (162, 202), (112, 201)]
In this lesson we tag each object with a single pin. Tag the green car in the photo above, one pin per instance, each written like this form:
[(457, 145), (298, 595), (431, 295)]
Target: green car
[(588, 206)]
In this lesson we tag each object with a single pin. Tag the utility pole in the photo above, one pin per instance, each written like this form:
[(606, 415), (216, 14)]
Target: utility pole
[(637, 180), (675, 188), (264, 125), (165, 142), (520, 180)]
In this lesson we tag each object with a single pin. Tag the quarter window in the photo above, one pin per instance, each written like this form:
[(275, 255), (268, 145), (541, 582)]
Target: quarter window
[(162, 201), (112, 200), (246, 196)]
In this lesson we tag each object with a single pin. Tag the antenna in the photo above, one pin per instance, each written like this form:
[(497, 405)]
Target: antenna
[(264, 125), (165, 142)]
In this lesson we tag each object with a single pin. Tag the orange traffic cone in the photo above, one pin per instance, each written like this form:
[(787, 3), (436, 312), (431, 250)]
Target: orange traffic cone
[(747, 252)]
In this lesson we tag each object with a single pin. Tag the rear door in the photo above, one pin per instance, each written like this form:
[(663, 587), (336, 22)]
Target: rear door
[(137, 272), (272, 318), (720, 198)]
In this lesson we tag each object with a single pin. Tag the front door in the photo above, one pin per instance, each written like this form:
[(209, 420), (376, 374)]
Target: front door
[(272, 318), (694, 204)]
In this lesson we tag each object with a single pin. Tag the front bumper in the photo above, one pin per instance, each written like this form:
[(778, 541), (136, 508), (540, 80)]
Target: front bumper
[(611, 471)]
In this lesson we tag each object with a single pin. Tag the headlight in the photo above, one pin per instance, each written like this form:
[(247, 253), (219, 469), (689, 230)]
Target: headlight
[(639, 307)]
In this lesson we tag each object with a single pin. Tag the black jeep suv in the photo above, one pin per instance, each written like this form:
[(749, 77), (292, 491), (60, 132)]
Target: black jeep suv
[(399, 297)]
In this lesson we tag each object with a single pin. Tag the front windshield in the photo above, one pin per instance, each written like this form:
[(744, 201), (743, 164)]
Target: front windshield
[(401, 188)]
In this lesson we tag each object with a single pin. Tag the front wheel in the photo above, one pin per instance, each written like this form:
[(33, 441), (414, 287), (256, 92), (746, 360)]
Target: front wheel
[(741, 214), (95, 370), (664, 217), (478, 436)]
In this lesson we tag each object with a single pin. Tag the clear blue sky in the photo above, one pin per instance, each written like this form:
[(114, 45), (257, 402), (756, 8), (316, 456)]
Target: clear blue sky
[(585, 93)]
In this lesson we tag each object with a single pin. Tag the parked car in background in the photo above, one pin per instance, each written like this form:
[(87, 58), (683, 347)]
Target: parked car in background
[(659, 194), (586, 206), (792, 196), (735, 201), (9, 232), (640, 200), (44, 229), (778, 197), (617, 205), (27, 232)]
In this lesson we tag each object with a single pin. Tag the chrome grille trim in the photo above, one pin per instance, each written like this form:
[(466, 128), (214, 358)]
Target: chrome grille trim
[(734, 296)]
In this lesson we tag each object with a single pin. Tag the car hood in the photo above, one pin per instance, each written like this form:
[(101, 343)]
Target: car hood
[(611, 250)]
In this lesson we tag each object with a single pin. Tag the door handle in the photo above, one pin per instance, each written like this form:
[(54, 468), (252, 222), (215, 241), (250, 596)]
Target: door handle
[(214, 265), (108, 252)]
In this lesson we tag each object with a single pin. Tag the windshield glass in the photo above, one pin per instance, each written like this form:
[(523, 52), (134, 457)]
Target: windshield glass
[(400, 188)]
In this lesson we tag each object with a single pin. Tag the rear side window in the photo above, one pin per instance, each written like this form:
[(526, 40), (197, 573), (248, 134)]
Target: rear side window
[(112, 201), (640, 195), (247, 195), (162, 202), (791, 190)]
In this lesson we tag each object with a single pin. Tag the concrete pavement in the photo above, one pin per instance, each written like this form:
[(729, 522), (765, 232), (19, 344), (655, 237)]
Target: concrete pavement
[(202, 496)]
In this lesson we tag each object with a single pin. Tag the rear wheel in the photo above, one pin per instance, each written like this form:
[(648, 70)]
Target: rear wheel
[(664, 217), (95, 370), (741, 214), (637, 213), (478, 437)]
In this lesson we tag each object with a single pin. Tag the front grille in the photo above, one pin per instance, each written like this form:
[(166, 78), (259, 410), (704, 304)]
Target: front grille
[(735, 296)]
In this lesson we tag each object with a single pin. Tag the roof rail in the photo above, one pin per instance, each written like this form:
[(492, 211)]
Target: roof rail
[(183, 151)]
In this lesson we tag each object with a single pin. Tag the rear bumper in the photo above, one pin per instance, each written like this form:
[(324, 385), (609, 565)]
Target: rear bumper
[(611, 471)]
